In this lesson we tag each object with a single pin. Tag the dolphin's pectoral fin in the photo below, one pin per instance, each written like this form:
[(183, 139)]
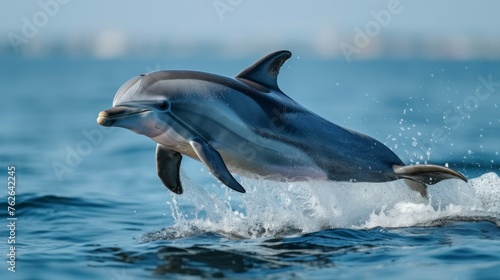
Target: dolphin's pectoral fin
[(425, 174), (168, 163), (265, 71), (212, 159)]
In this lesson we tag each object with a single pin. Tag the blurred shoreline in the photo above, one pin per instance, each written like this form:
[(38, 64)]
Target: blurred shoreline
[(108, 45)]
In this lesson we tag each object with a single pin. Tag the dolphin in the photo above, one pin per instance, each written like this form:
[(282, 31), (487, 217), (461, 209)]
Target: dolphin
[(247, 125)]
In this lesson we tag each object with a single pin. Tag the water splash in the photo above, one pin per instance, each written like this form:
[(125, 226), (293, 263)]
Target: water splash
[(271, 209)]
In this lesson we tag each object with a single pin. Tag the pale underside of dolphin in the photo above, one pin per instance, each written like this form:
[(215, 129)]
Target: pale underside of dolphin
[(247, 125)]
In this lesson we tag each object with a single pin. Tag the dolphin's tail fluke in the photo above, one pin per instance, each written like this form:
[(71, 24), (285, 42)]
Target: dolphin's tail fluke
[(417, 177)]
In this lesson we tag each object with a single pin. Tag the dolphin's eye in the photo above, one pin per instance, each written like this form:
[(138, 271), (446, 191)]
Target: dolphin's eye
[(163, 105)]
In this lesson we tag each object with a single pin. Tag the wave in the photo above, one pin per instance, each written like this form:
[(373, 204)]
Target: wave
[(47, 207), (270, 209)]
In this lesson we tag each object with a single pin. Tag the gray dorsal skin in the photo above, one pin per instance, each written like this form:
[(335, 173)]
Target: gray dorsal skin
[(247, 124), (168, 163)]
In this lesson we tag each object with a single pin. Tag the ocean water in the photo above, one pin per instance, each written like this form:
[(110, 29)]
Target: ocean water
[(89, 205)]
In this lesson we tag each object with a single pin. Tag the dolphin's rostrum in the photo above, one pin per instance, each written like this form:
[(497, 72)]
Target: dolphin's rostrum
[(247, 124)]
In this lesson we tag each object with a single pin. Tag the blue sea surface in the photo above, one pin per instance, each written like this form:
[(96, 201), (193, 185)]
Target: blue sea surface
[(89, 205)]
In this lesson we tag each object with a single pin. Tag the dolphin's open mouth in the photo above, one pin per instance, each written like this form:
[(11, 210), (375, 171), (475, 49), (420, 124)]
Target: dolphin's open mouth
[(110, 116)]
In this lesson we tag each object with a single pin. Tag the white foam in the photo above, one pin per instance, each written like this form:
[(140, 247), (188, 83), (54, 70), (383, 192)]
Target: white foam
[(272, 208)]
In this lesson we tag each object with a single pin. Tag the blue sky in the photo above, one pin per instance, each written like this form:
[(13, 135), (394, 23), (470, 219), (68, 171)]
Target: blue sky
[(238, 23)]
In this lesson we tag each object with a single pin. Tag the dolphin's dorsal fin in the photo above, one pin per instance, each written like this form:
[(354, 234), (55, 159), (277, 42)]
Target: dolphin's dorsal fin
[(265, 71)]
